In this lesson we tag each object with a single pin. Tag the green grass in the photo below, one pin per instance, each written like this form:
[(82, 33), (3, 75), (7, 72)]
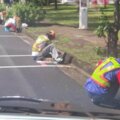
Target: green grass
[(35, 31), (69, 15), (65, 15), (94, 15), (81, 52)]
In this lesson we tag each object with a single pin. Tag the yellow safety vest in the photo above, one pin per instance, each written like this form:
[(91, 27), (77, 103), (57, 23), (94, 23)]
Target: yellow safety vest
[(101, 70), (36, 45)]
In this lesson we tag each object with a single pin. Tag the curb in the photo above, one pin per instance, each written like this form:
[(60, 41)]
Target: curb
[(71, 60), (75, 62)]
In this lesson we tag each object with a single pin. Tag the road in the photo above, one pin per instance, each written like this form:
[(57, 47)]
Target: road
[(21, 76)]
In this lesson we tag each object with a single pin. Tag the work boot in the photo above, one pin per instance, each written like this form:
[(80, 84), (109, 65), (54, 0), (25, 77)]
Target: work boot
[(61, 58)]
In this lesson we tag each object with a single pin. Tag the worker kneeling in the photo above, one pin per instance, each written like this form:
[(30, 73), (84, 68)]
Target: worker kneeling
[(43, 47), (103, 84), (10, 25)]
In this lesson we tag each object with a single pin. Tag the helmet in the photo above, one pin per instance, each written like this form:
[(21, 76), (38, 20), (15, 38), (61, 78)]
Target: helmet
[(51, 34)]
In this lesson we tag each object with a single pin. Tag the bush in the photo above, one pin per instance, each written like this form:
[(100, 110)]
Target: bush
[(2, 7), (29, 13)]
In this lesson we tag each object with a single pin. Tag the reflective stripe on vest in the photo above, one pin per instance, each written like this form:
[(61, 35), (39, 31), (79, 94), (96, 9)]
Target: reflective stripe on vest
[(40, 39), (100, 71)]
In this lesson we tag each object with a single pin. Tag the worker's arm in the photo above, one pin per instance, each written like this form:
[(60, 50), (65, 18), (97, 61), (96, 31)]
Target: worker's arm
[(42, 45)]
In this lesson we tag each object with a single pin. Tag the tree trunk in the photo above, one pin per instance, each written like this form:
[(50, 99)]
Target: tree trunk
[(112, 43), (56, 7), (113, 32)]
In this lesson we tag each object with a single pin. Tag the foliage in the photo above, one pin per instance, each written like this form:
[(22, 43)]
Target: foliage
[(102, 51), (104, 26), (111, 29), (36, 2), (2, 7), (28, 13)]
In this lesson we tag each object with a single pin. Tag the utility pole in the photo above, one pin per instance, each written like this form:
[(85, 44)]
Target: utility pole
[(83, 14)]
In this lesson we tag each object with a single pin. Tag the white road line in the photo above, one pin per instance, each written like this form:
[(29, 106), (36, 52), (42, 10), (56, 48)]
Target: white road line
[(26, 41), (8, 36), (14, 56), (35, 66), (21, 37)]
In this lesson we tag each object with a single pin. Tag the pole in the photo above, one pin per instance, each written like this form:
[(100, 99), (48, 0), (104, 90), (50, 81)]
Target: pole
[(83, 15)]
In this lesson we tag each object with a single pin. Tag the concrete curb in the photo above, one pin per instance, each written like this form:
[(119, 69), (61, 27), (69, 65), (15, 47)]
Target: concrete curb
[(71, 60), (86, 73)]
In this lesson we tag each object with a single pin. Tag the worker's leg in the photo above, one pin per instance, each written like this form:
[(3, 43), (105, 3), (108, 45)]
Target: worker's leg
[(35, 55), (50, 50)]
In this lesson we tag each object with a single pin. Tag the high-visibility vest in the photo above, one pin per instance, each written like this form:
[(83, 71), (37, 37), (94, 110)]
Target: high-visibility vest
[(36, 45), (99, 74)]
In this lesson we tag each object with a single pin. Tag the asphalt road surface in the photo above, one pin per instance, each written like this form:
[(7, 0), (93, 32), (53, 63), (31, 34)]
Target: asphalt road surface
[(21, 76)]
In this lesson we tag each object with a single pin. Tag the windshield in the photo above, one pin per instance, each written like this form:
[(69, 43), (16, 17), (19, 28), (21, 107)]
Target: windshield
[(49, 50)]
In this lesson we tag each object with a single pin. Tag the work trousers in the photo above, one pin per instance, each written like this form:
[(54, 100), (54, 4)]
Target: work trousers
[(49, 50)]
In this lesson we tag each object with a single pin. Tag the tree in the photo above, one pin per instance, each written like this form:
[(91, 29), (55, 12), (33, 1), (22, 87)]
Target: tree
[(112, 30), (56, 7)]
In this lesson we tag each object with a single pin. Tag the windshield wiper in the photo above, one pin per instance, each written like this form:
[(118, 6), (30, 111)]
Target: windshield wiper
[(18, 104), (21, 104), (18, 109), (22, 98)]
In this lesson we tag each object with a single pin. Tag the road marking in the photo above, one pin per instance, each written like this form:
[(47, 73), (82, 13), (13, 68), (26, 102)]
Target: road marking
[(26, 41), (9, 36), (14, 56), (21, 37), (35, 66)]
